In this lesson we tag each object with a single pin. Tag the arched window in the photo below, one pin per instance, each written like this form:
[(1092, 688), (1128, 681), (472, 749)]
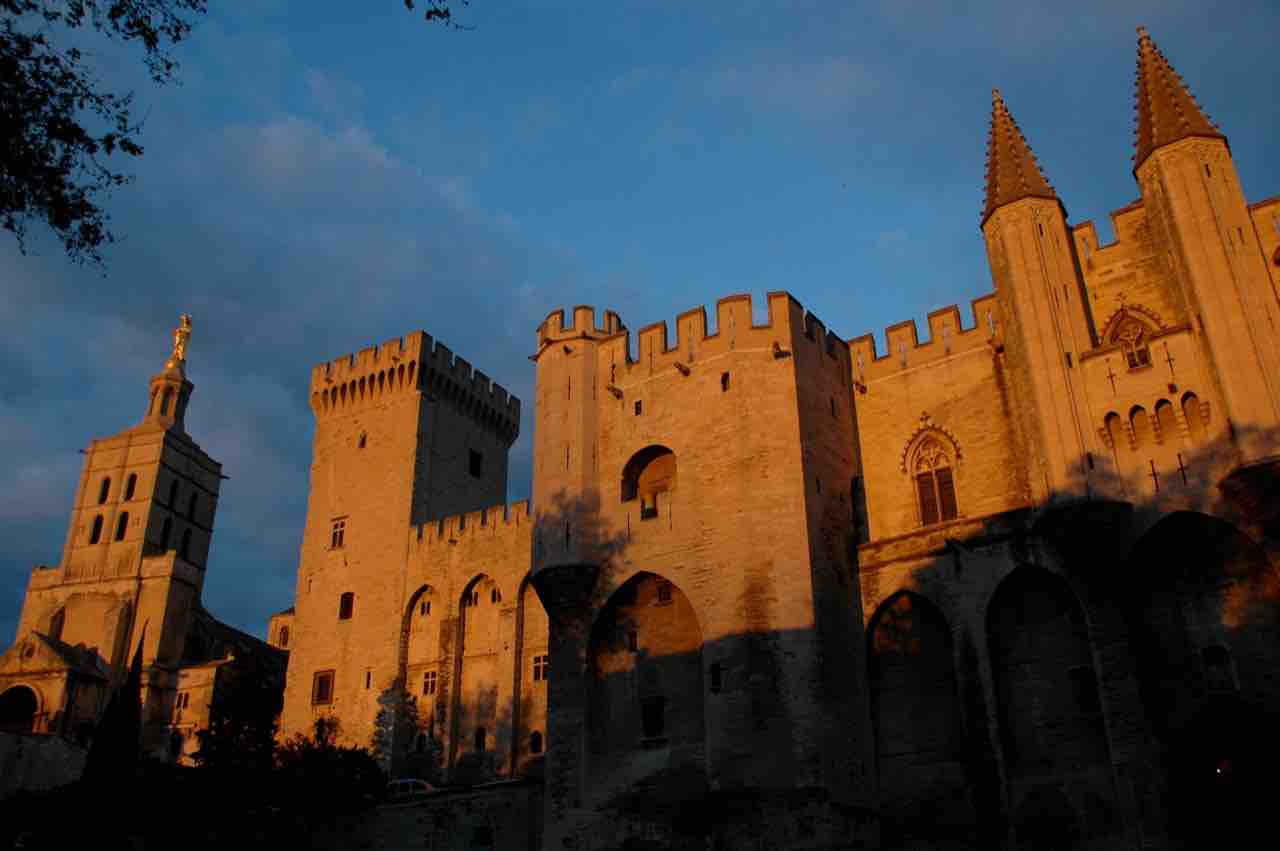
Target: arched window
[(283, 638), (95, 534), (935, 485), (1117, 434), (649, 473), (1132, 334), (18, 708), (165, 531), (122, 525), (535, 742), (185, 549), (1195, 422), (103, 490), (1166, 421), (57, 623), (165, 400), (130, 486), (191, 506), (346, 605), (1141, 425), (173, 494)]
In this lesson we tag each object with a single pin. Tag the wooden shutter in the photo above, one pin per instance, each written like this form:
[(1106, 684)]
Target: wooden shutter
[(946, 493)]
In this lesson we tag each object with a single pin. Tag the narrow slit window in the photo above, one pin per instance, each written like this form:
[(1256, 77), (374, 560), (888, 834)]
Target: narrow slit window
[(346, 606), (639, 408), (95, 534), (322, 688), (104, 490), (429, 683), (724, 382), (337, 534), (475, 464), (535, 742), (130, 485), (541, 667), (122, 525)]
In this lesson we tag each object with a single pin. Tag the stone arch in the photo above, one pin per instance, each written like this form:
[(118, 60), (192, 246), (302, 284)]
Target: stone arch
[(533, 629), (645, 692), (648, 474), (421, 651), (917, 719), (1140, 422), (19, 709), (477, 655), (1046, 685), (1203, 605)]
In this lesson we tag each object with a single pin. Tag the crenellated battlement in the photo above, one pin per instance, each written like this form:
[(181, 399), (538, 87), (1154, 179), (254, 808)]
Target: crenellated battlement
[(412, 363), (583, 325), (735, 328), (947, 336), (499, 519)]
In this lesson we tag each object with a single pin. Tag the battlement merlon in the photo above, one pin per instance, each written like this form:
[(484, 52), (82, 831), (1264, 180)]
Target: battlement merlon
[(947, 336), (499, 519), (418, 362), (735, 328)]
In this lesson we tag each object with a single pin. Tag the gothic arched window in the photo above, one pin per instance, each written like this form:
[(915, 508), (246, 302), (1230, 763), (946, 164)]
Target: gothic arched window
[(1133, 336), (935, 484)]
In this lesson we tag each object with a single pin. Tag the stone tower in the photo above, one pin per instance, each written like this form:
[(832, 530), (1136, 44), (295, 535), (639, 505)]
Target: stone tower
[(135, 554), (405, 433), (1044, 308), (705, 658), (1190, 188)]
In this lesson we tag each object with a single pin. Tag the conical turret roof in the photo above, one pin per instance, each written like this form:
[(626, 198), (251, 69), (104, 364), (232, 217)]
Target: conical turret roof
[(1166, 110), (1012, 170)]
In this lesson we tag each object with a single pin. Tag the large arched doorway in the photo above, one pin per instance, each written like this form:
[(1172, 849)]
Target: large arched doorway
[(1204, 612), (646, 694), (917, 721), (534, 667), (475, 717), (18, 708), (1050, 713)]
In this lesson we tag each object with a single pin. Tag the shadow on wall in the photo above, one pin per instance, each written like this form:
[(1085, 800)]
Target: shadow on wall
[(1084, 674), (1088, 673)]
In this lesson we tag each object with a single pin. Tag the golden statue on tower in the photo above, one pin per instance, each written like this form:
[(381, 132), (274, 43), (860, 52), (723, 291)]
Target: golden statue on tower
[(181, 335)]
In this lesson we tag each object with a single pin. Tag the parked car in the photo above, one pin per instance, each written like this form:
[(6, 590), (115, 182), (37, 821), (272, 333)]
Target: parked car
[(408, 789)]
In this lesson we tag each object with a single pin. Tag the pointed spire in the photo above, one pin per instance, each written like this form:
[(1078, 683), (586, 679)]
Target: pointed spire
[(1012, 170), (1166, 110)]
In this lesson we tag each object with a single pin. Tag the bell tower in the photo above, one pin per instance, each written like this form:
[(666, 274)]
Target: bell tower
[(1042, 300), (1197, 207)]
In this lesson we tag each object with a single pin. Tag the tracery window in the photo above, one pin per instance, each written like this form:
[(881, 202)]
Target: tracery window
[(935, 484), (1132, 336)]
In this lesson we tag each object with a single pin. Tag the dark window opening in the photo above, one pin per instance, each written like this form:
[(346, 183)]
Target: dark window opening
[(368, 679), (653, 716), (173, 494), (480, 736), (164, 402), (165, 532), (664, 592), (429, 682), (475, 463), (346, 605), (724, 382), (649, 507), (337, 534), (818, 482), (639, 408), (191, 507), (57, 624), (184, 549), (95, 534), (424, 608), (322, 688), (1084, 687), (494, 596), (535, 742), (937, 492), (833, 407), (541, 667), (650, 472), (122, 525), (717, 677), (283, 639), (633, 641), (130, 485), (362, 440), (104, 490)]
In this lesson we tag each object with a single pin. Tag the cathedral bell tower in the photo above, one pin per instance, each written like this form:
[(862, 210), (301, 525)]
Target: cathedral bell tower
[(1044, 312), (1197, 207)]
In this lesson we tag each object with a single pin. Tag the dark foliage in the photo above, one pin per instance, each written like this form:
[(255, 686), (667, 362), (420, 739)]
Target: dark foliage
[(242, 724), (113, 757), (59, 126)]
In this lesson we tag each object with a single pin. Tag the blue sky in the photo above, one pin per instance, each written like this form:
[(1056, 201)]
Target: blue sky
[(332, 174)]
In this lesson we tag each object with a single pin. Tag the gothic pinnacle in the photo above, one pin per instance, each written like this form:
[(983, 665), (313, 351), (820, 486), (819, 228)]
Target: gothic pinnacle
[(1166, 111), (1012, 170)]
